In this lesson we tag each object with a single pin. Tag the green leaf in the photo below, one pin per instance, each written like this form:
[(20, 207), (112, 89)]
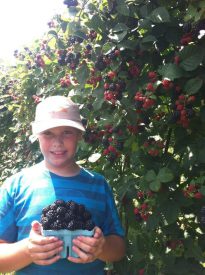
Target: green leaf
[(123, 8), (155, 185), (153, 222), (191, 57), (193, 85), (160, 15), (165, 175), (82, 74), (150, 175), (96, 23), (170, 210), (120, 27), (148, 38), (128, 44), (202, 190), (107, 47), (171, 71), (117, 37), (54, 33), (202, 113)]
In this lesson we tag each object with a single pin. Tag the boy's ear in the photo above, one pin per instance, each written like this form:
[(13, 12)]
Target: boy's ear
[(80, 135)]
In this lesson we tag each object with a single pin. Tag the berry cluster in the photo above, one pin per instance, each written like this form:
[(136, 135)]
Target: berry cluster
[(133, 69), (183, 110), (143, 210), (143, 101), (66, 215), (92, 35), (153, 147), (186, 39), (113, 90), (39, 61), (95, 78), (192, 191), (167, 84), (71, 59), (65, 81), (36, 99), (101, 63), (112, 142)]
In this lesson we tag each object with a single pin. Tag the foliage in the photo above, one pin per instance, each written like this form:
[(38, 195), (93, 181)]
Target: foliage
[(137, 70)]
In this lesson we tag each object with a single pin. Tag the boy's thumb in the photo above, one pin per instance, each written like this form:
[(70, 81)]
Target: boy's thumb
[(36, 227)]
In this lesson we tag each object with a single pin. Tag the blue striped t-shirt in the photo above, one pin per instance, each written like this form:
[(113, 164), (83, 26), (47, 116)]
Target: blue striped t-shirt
[(24, 195)]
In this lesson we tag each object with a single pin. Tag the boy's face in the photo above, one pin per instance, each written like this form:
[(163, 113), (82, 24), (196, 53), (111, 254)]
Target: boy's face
[(58, 146)]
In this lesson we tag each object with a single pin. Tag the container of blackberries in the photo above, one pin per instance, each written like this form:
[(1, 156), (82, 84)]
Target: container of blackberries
[(67, 220)]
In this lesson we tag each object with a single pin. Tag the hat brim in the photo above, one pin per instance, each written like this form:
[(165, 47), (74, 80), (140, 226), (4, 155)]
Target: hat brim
[(41, 126)]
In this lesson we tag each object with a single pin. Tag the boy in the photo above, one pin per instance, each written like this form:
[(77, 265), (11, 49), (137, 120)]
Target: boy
[(58, 128)]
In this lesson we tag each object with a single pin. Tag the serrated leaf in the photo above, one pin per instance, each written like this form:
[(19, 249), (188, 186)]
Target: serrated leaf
[(82, 74), (123, 8), (117, 37), (153, 222), (191, 57), (107, 47), (160, 15), (53, 33), (171, 71), (202, 113), (149, 38), (170, 210), (128, 44), (165, 175), (150, 175), (193, 85), (155, 185), (120, 27)]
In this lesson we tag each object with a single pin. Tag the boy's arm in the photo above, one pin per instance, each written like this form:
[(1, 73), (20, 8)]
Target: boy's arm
[(13, 256), (35, 249), (113, 249)]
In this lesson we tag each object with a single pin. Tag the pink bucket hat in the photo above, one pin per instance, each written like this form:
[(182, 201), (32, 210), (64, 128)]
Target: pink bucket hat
[(55, 111)]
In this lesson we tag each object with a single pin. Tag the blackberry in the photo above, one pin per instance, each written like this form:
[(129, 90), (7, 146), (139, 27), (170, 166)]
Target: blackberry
[(89, 225), (81, 209), (45, 210), (71, 225), (69, 216), (86, 215), (60, 203), (61, 210), (66, 215), (50, 215), (73, 207)]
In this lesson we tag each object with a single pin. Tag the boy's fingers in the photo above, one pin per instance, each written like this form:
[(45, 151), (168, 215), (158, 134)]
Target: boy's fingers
[(36, 227)]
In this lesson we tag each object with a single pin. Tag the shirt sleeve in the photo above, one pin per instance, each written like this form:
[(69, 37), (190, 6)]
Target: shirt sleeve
[(112, 223), (8, 229)]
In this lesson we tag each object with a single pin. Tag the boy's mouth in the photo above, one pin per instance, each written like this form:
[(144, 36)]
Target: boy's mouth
[(58, 153)]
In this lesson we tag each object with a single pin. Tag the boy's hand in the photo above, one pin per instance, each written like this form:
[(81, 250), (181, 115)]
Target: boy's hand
[(43, 250), (88, 248)]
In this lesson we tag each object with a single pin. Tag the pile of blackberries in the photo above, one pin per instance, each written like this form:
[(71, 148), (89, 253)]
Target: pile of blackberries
[(66, 215)]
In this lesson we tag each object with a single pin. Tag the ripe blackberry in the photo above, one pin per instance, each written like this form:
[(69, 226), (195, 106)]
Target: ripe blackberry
[(86, 215), (69, 216), (50, 215), (89, 225), (45, 210), (81, 209), (60, 203), (73, 207), (71, 225), (61, 210)]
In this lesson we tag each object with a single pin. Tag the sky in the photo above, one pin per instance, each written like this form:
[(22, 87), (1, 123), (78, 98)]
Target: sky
[(23, 21)]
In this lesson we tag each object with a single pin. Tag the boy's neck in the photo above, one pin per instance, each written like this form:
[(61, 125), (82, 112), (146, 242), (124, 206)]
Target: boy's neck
[(69, 171)]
